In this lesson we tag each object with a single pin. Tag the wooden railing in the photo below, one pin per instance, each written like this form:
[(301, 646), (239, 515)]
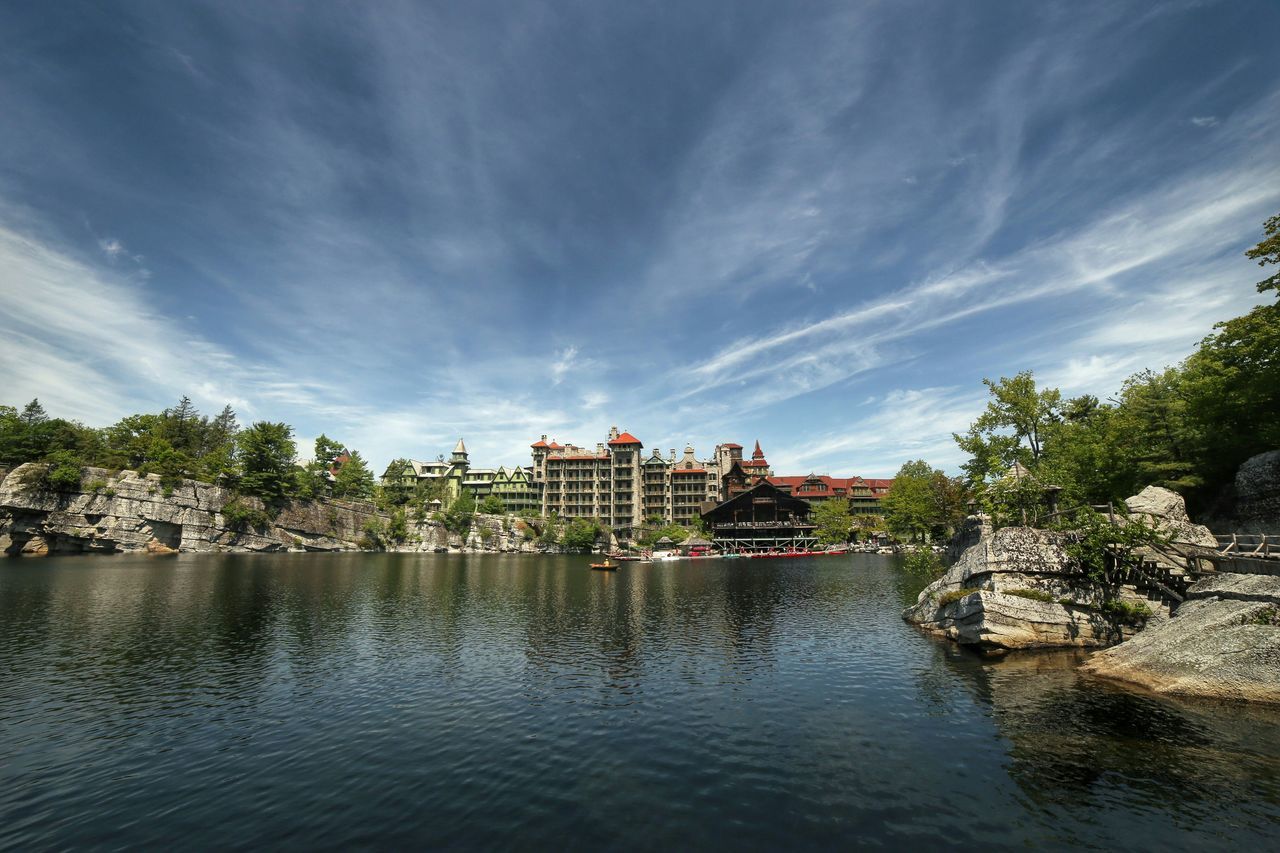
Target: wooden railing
[(1255, 546)]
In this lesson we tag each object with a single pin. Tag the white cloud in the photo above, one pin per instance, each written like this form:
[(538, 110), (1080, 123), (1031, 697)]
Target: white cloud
[(111, 247), (563, 364), (1204, 121)]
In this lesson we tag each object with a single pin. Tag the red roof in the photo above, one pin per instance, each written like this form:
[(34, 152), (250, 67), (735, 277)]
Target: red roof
[(625, 438), (830, 484), (731, 444), (555, 446), (539, 443), (757, 453)]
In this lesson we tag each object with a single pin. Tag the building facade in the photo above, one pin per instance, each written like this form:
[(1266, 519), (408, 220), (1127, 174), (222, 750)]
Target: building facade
[(621, 487), (761, 519), (515, 487)]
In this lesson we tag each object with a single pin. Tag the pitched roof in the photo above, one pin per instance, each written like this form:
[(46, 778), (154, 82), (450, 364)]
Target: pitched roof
[(542, 442), (757, 453), (731, 444), (829, 485), (625, 438), (460, 448)]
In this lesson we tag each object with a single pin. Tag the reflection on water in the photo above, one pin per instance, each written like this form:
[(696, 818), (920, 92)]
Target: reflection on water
[(338, 700)]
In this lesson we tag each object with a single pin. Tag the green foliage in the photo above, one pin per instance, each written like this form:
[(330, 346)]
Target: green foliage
[(1033, 594), (95, 486), (354, 479), (1098, 547), (1013, 427), (923, 563), (459, 515), (492, 505), (1014, 501), (924, 503), (63, 473), (550, 534), (1269, 616), (581, 533), (397, 526), (238, 515), (954, 596), (375, 535), (1268, 252), (833, 520), (266, 458), (1186, 428), (1125, 612), (649, 535)]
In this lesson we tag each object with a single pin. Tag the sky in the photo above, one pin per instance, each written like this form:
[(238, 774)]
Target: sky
[(818, 225)]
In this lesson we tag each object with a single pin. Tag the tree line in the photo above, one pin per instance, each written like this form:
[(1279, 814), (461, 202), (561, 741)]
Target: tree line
[(1187, 428), (181, 443)]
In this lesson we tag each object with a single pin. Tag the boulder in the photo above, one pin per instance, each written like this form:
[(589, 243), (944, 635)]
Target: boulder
[(1257, 491), (1223, 643), (1168, 512)]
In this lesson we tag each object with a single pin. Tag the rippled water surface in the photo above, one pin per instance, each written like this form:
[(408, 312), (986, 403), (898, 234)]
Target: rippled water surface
[(330, 701)]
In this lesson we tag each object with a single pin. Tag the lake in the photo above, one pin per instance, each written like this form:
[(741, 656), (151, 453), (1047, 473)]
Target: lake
[(406, 700)]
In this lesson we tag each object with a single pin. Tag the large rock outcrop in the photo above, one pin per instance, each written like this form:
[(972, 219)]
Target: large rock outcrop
[(1223, 643), (1017, 589), (124, 511), (1257, 493), (1167, 511)]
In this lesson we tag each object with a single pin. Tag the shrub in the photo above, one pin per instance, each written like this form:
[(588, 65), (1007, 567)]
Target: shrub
[(63, 473), (364, 543), (111, 493), (1265, 616), (238, 515), (1033, 594), (1126, 613), (923, 562), (95, 486), (953, 596)]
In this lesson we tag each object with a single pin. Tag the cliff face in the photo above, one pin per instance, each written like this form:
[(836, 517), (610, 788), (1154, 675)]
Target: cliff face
[(127, 511)]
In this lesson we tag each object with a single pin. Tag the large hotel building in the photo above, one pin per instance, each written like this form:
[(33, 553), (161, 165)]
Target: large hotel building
[(622, 487)]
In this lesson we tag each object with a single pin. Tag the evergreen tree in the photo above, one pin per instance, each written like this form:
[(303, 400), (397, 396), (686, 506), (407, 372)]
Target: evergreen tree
[(266, 452), (33, 413), (354, 479)]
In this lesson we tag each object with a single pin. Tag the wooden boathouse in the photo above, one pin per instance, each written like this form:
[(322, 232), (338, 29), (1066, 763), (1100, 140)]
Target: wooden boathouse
[(759, 520)]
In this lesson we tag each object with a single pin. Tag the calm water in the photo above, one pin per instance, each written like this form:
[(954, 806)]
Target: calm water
[(331, 701)]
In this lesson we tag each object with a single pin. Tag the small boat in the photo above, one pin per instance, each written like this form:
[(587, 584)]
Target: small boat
[(606, 566)]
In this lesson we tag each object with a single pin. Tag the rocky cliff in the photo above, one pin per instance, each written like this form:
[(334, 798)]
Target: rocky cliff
[(1017, 589), (115, 512)]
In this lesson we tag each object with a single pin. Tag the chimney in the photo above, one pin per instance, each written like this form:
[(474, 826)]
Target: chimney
[(599, 448), (613, 433)]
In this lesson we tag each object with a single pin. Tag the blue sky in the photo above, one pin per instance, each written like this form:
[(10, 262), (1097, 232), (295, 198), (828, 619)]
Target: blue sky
[(818, 225)]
